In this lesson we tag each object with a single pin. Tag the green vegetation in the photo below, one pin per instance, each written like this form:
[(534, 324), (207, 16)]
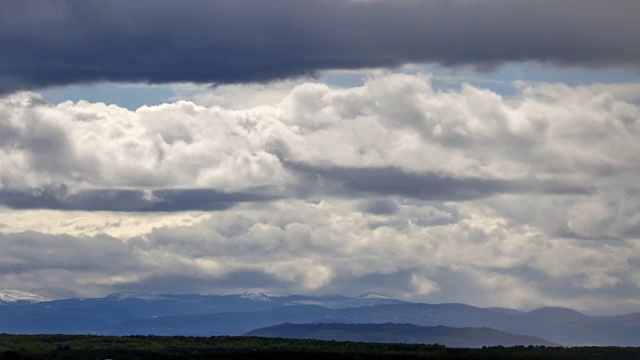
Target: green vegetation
[(16, 347)]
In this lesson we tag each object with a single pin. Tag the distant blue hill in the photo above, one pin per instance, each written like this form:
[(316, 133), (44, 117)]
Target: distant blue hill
[(207, 315)]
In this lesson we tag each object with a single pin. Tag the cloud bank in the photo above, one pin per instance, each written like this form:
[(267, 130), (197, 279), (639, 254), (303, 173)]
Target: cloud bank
[(392, 186), (393, 136), (48, 43), (423, 252)]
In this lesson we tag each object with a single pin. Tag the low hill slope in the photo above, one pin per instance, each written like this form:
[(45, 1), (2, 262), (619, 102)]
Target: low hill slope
[(400, 333)]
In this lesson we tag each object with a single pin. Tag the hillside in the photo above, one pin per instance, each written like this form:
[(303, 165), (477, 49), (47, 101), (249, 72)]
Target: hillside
[(400, 333)]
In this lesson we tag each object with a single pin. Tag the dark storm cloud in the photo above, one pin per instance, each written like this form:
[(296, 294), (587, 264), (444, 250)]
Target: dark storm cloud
[(351, 181), (57, 42), (167, 200)]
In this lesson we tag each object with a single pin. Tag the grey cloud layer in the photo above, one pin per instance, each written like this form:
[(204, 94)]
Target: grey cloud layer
[(165, 200), (331, 247), (359, 181), (60, 42)]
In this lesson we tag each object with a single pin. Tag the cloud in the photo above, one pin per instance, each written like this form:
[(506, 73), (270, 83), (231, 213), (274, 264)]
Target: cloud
[(395, 135), (353, 181), (121, 225), (380, 207), (58, 198), (234, 282), (606, 215), (331, 247), (453, 195), (229, 41)]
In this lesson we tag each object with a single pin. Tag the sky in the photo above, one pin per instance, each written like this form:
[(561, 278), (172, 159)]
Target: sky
[(475, 151)]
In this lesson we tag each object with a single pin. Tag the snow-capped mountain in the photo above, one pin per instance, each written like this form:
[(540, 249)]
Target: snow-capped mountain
[(375, 296), (138, 296), (17, 296), (255, 296), (341, 302)]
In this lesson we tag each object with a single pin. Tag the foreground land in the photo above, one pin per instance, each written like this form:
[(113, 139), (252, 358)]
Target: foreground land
[(13, 347)]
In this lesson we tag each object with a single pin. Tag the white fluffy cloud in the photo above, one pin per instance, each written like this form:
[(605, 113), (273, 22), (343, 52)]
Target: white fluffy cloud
[(546, 131), (460, 195)]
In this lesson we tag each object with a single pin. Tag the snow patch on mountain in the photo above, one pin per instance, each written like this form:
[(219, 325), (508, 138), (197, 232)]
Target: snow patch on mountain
[(276, 295), (255, 296), (375, 296), (17, 296)]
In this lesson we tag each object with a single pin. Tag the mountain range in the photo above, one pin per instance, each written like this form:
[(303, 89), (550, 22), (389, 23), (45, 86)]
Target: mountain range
[(209, 315)]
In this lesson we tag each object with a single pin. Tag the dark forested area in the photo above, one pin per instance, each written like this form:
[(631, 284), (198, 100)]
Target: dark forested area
[(14, 347)]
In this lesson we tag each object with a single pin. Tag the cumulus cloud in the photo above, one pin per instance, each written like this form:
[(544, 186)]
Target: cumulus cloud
[(61, 42), (392, 186), (331, 247), (394, 135)]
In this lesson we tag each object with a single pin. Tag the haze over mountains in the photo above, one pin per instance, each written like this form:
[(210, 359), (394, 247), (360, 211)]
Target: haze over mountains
[(208, 315)]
